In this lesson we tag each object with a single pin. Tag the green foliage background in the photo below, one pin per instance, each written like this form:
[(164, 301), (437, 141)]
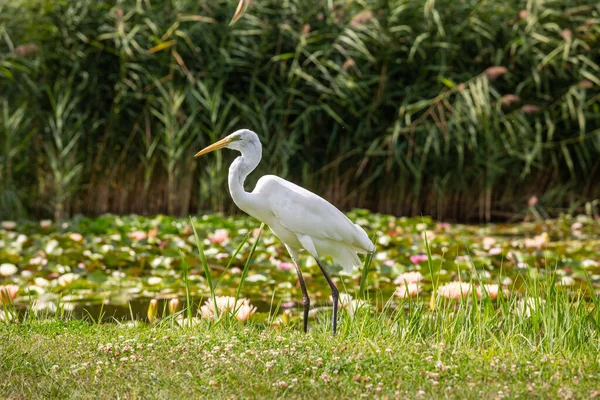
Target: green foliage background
[(389, 105)]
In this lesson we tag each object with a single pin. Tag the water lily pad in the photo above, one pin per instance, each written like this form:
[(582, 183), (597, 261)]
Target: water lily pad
[(256, 278)]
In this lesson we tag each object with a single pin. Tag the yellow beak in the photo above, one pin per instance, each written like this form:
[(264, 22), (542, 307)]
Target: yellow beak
[(215, 146)]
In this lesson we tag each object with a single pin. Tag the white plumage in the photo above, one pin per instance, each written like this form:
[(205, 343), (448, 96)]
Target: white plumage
[(298, 217), (307, 215)]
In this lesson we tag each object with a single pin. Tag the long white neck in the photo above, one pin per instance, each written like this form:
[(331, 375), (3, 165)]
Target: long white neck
[(239, 170)]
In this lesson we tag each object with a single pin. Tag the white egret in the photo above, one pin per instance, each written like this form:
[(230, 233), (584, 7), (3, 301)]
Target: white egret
[(298, 217)]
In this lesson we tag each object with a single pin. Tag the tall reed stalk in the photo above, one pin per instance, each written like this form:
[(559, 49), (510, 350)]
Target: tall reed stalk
[(460, 110)]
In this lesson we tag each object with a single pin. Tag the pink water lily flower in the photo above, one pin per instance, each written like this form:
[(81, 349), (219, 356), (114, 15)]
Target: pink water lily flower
[(76, 237), (152, 312), (350, 304), (8, 293), (417, 258), (223, 303), (138, 235), (244, 312), (494, 251), (488, 242), (173, 305), (39, 260), (221, 236), (242, 309), (455, 290), (45, 223), (442, 226), (285, 266), (409, 277), (490, 290), (8, 225), (406, 290), (538, 241)]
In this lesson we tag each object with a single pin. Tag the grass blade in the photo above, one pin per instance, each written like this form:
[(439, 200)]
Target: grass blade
[(186, 281), (247, 265), (205, 267), (365, 273)]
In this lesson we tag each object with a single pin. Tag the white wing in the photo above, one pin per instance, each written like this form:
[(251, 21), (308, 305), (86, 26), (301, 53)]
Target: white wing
[(305, 213)]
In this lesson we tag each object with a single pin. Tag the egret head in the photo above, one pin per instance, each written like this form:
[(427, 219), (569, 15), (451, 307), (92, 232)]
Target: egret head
[(243, 139)]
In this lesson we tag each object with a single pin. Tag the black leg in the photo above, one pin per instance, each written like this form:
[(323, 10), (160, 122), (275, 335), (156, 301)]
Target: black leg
[(334, 295), (305, 298)]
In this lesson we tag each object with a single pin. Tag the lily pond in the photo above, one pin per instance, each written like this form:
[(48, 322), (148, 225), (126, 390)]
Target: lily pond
[(113, 266)]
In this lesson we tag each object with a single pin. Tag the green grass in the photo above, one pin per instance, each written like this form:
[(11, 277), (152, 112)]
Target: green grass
[(463, 349)]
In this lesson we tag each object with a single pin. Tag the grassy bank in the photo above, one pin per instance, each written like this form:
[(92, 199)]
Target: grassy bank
[(459, 110), (471, 312), (472, 352)]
